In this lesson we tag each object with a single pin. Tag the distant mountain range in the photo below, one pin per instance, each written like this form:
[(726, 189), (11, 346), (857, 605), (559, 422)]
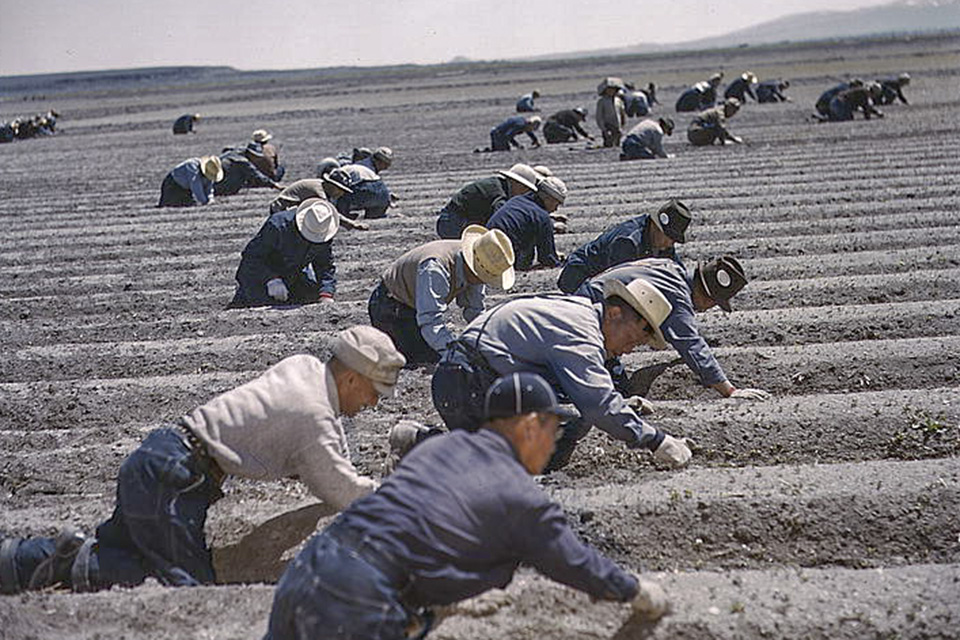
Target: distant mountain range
[(904, 16)]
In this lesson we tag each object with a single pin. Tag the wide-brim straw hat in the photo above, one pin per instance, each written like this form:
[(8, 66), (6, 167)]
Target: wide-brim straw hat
[(338, 178), (489, 255), (647, 300), (317, 220), (522, 173), (262, 135), (212, 168)]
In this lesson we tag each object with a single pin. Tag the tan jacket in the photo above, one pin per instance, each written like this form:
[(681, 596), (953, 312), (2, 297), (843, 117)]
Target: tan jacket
[(284, 423)]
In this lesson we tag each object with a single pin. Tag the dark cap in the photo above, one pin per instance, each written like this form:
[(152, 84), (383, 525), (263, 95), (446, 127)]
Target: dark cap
[(667, 125), (673, 218), (254, 149), (519, 393), (722, 279)]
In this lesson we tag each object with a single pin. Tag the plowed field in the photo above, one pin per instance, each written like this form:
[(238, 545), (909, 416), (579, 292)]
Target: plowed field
[(830, 511)]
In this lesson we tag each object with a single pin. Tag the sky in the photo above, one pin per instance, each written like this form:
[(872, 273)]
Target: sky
[(49, 36)]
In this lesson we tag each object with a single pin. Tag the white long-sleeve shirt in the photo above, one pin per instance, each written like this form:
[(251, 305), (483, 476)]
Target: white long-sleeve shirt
[(284, 423)]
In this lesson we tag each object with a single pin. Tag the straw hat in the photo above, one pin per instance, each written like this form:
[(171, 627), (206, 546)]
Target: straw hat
[(647, 300), (262, 135), (212, 169), (317, 220), (338, 178), (521, 173), (489, 255)]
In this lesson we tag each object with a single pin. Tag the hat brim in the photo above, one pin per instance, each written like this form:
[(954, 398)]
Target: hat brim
[(336, 183), (306, 233), (723, 304), (506, 173), (680, 237), (504, 281), (562, 412), (384, 389), (617, 288)]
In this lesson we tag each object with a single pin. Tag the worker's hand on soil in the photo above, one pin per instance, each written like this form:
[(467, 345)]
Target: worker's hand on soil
[(640, 404), (651, 602), (750, 394), (673, 451), (277, 290)]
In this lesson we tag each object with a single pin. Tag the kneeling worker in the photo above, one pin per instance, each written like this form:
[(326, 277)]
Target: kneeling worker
[(566, 339), (708, 285), (290, 260), (412, 296), (282, 424), (455, 519)]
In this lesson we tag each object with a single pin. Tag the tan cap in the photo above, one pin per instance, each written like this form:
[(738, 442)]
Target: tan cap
[(646, 300), (384, 155), (553, 186), (489, 255), (371, 353), (212, 169), (521, 173), (317, 220), (262, 135)]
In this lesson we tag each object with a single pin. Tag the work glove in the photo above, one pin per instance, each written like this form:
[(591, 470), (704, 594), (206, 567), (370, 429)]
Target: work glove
[(674, 452), (750, 394), (640, 404), (651, 602), (277, 290)]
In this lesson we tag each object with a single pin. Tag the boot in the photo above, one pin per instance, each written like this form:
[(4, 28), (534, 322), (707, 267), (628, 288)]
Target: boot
[(9, 578), (56, 569)]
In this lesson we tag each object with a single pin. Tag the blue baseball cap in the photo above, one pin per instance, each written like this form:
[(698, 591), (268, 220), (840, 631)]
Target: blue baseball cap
[(522, 392)]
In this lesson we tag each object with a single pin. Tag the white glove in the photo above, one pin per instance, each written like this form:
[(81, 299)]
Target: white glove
[(640, 404), (651, 602), (277, 290), (750, 394), (673, 451)]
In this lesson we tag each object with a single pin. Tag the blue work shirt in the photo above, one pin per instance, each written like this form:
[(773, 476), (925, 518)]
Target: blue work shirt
[(434, 285), (529, 227), (461, 513), (189, 175), (280, 251), (680, 327), (560, 338), (624, 242), (512, 127), (525, 103)]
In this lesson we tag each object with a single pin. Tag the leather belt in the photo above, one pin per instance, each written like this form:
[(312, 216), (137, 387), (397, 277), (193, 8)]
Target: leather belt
[(199, 450)]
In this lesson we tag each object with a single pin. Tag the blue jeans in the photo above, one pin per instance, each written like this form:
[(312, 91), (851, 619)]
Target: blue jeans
[(840, 110), (157, 526), (450, 225), (372, 197), (459, 387), (302, 287), (339, 587), (399, 321), (633, 149), (173, 195)]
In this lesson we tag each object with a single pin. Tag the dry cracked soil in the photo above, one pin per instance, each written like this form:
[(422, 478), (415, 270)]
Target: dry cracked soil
[(830, 511)]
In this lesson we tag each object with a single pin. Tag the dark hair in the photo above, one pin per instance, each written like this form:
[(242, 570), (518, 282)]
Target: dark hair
[(627, 311)]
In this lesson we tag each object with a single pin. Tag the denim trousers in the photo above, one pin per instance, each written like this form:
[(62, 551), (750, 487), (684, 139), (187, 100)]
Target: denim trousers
[(372, 197), (634, 149), (338, 588), (399, 321), (450, 225), (303, 288), (173, 195), (459, 387), (157, 526)]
